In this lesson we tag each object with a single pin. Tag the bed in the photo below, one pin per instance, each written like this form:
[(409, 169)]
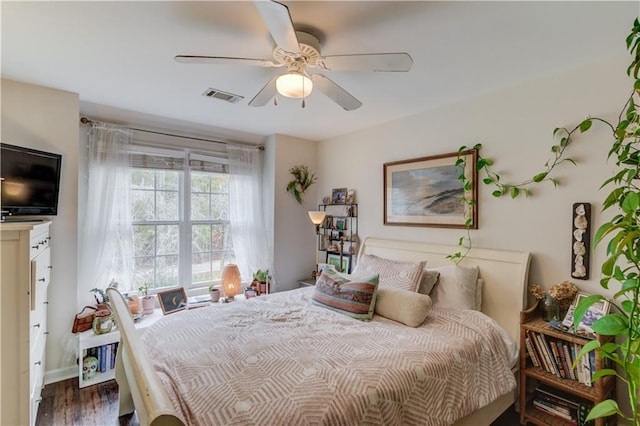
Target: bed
[(333, 370)]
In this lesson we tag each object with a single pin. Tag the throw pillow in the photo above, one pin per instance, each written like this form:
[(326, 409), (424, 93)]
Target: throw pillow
[(348, 295), (392, 273), (428, 281), (403, 306), (456, 287)]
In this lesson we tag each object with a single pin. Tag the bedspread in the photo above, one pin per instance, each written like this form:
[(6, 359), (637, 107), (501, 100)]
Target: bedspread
[(279, 360)]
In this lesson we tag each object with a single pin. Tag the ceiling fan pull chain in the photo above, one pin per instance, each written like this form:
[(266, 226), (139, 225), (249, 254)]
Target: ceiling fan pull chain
[(275, 100)]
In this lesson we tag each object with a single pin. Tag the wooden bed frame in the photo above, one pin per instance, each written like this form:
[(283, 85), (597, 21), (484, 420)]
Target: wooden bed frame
[(504, 296)]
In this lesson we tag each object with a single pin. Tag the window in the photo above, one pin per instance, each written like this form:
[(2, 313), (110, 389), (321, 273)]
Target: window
[(180, 214)]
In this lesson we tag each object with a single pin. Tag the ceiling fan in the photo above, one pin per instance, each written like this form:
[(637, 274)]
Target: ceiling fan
[(298, 51)]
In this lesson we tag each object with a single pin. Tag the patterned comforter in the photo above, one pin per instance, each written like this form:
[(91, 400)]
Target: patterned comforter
[(279, 360)]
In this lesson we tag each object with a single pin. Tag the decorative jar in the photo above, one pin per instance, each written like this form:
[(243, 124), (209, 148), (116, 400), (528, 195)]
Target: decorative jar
[(550, 307)]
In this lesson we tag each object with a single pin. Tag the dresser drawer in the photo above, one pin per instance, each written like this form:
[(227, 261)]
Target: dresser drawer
[(40, 278), (39, 241), (36, 367)]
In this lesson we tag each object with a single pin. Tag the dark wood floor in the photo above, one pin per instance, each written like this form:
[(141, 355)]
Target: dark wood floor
[(64, 404)]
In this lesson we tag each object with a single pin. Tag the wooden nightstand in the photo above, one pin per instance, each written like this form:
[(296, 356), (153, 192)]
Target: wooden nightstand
[(306, 282)]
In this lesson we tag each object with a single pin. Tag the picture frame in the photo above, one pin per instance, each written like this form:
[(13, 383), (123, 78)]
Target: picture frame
[(427, 191), (351, 197), (341, 224), (323, 266), (172, 300), (334, 260), (338, 195), (595, 311)]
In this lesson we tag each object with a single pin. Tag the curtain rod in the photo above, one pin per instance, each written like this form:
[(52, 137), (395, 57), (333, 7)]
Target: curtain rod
[(85, 120)]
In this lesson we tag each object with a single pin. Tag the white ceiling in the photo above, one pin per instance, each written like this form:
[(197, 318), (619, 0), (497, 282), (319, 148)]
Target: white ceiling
[(119, 55)]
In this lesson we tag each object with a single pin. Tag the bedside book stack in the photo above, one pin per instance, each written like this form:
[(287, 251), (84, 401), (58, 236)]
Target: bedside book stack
[(557, 357)]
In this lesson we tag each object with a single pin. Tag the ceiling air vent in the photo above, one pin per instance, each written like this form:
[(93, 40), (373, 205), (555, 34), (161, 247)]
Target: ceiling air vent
[(223, 96)]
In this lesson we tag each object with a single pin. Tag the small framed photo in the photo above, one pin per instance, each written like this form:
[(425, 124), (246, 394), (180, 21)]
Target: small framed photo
[(326, 200), (338, 195), (595, 311), (341, 224), (173, 300), (351, 197), (323, 266), (334, 259)]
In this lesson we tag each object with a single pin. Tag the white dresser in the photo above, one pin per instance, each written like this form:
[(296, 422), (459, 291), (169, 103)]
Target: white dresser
[(26, 267)]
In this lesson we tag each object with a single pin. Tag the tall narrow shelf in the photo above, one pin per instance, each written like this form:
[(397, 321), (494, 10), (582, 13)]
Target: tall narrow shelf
[(340, 226), (89, 340), (532, 376)]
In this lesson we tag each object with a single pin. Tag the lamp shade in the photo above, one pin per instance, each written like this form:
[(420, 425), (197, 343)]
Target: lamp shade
[(317, 216), (294, 84), (230, 280)]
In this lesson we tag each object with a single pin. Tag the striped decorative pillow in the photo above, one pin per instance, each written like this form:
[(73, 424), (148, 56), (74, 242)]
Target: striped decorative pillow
[(395, 274), (346, 294)]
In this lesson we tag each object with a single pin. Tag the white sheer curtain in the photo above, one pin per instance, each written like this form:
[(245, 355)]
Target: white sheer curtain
[(248, 231), (106, 246)]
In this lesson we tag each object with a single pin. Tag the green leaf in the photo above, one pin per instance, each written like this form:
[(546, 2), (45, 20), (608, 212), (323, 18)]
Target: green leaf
[(636, 85), (605, 408), (585, 125), (462, 148), (497, 194), (564, 141), (603, 372), (459, 161), (540, 177), (514, 192), (571, 161), (477, 146), (487, 181), (488, 161), (611, 325), (467, 185), (631, 202)]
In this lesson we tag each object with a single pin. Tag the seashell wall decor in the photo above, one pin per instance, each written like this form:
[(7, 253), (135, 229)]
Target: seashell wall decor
[(580, 241)]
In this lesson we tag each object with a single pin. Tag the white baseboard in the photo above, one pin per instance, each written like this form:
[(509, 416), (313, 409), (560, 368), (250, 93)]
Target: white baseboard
[(53, 376)]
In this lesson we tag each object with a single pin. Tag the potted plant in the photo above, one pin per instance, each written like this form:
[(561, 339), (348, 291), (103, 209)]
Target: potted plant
[(148, 301), (302, 180), (214, 292), (260, 278), (622, 264)]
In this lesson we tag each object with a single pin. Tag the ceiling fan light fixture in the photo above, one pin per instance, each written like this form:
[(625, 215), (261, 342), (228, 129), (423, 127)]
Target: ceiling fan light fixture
[(294, 84)]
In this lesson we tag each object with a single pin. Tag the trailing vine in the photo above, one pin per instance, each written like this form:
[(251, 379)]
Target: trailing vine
[(302, 180)]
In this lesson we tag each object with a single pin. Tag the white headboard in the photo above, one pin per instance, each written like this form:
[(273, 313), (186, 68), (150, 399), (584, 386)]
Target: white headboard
[(504, 273)]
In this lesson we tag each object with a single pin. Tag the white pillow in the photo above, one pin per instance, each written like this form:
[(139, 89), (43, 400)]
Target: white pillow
[(392, 273), (456, 287), (404, 306)]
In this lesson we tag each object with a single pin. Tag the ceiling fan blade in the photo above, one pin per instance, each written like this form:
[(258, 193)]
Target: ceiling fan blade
[(336, 93), (278, 20), (265, 94), (377, 62), (194, 59)]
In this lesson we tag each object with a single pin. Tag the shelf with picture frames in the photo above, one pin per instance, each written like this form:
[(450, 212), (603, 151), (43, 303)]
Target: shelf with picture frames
[(339, 234)]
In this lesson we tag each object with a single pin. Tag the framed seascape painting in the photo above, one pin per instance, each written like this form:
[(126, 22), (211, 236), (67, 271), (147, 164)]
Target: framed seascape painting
[(428, 191)]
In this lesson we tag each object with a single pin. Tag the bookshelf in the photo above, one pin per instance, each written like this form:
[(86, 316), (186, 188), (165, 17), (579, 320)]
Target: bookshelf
[(91, 344), (340, 226), (551, 392)]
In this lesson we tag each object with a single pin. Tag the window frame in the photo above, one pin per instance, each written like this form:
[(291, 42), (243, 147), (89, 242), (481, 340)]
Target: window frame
[(185, 222)]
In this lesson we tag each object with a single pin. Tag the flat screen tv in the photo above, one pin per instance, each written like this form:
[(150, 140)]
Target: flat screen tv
[(30, 181)]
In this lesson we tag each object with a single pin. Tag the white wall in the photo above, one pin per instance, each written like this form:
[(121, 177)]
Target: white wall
[(293, 233), (47, 119), (515, 126)]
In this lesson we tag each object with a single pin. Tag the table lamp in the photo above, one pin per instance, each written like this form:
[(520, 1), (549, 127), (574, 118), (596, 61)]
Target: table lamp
[(230, 280)]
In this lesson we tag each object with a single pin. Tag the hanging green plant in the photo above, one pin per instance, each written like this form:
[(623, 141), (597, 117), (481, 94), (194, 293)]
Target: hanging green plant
[(621, 235), (302, 180)]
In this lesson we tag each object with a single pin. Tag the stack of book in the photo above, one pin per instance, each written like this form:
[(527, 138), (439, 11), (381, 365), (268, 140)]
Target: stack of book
[(557, 356), (559, 404), (105, 354)]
